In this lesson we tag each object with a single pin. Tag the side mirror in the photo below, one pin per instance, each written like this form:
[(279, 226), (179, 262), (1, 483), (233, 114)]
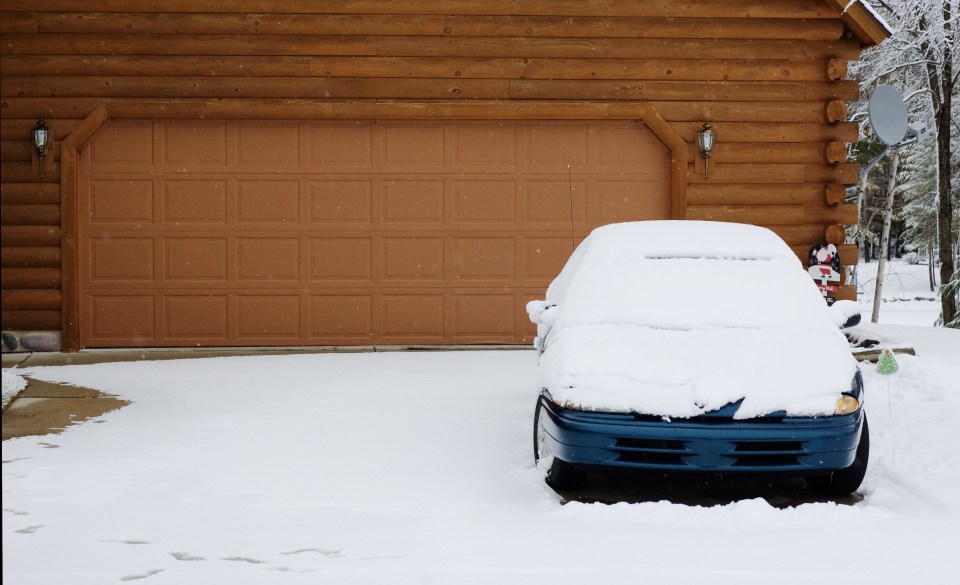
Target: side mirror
[(542, 312), (845, 314)]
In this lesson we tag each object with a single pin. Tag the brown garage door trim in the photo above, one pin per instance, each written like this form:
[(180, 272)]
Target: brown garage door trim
[(532, 110)]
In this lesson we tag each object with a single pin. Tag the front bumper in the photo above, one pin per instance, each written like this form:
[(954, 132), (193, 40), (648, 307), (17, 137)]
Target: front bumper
[(706, 444)]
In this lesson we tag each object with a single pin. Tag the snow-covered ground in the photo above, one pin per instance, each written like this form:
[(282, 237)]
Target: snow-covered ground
[(906, 298), (13, 384), (416, 468)]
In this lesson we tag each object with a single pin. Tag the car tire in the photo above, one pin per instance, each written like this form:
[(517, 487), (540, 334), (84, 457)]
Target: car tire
[(846, 481), (558, 474)]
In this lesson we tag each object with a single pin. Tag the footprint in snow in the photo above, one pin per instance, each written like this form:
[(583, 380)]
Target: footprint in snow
[(149, 573), (327, 552), (29, 529), (182, 556), (245, 560)]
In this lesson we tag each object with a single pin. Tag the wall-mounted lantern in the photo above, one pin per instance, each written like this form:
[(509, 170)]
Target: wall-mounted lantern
[(706, 138), (41, 141)]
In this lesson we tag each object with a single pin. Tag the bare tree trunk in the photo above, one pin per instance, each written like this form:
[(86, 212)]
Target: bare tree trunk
[(941, 80), (932, 273), (885, 236), (948, 302)]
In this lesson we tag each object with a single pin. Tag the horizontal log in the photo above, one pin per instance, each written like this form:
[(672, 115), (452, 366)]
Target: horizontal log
[(24, 172), (30, 257), (32, 320), (19, 22), (710, 193), (449, 25), (423, 67), (775, 173), (31, 299), (16, 150), (747, 131), (29, 214), (769, 215), (763, 152), (16, 128), (23, 151), (773, 214), (22, 278), (673, 111), (276, 87), (662, 8), (844, 213), (772, 132), (30, 235), (29, 193), (681, 90), (424, 46), (797, 235), (428, 88), (844, 174)]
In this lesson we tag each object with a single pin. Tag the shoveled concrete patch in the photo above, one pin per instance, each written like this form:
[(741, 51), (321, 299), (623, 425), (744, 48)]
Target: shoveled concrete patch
[(43, 408)]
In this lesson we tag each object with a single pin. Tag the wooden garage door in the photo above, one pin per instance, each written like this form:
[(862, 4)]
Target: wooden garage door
[(225, 233)]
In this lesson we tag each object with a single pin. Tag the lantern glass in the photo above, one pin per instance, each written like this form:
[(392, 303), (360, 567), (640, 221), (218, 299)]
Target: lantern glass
[(705, 139), (41, 138)]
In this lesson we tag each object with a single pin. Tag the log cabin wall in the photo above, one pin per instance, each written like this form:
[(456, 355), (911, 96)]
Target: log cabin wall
[(769, 76)]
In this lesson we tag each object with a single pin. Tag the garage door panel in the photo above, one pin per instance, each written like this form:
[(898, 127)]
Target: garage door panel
[(616, 201), (478, 316), (627, 145), (490, 258), (413, 258), (545, 257), (483, 145), (265, 202), (555, 200), (196, 317), (269, 316), (483, 201), (195, 259), (269, 258), (341, 317), (552, 148), (269, 144), (413, 148), (342, 232), (194, 145), (195, 201), (413, 316), (412, 201), (341, 259), (120, 201), (121, 145), (342, 201), (113, 259), (339, 147), (130, 318)]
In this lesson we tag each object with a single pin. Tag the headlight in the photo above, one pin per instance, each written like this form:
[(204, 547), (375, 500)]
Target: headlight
[(847, 404)]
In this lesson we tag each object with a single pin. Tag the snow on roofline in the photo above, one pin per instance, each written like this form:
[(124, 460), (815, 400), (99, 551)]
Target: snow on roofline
[(869, 27)]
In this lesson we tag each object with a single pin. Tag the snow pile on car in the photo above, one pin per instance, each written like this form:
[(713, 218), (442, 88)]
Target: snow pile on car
[(678, 318)]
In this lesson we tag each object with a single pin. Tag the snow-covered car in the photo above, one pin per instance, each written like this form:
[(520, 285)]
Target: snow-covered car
[(688, 346)]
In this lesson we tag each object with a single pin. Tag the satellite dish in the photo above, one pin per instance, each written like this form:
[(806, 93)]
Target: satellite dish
[(888, 115)]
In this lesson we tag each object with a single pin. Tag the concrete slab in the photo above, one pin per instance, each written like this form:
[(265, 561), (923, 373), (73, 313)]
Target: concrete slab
[(38, 416)]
